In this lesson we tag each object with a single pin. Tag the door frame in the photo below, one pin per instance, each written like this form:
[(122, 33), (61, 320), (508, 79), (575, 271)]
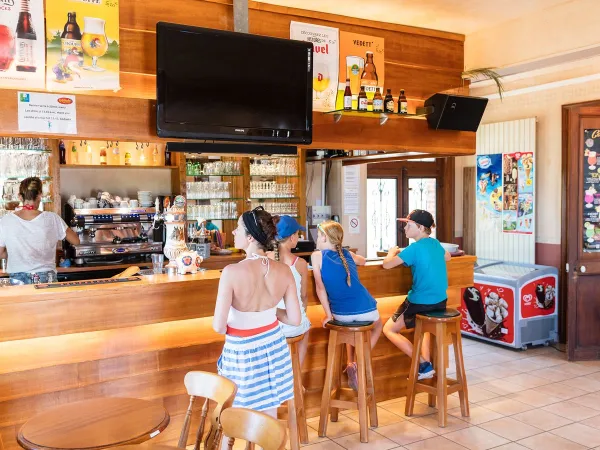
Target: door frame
[(571, 214), (442, 169)]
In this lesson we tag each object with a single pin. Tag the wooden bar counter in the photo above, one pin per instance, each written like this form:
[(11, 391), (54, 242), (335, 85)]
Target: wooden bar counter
[(139, 339)]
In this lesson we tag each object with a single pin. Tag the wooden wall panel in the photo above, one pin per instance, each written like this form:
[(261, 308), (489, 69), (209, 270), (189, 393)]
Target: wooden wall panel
[(469, 207), (418, 60)]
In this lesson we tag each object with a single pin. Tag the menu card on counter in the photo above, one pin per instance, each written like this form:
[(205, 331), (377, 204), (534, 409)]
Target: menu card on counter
[(591, 186)]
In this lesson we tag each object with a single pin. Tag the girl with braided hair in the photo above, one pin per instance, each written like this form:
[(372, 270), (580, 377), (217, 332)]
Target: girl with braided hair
[(339, 289)]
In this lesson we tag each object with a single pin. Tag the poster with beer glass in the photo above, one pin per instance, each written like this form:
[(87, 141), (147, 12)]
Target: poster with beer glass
[(325, 61), (22, 52), (82, 44), (362, 63)]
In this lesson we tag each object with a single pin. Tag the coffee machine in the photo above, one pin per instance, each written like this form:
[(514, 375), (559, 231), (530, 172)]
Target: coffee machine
[(112, 235)]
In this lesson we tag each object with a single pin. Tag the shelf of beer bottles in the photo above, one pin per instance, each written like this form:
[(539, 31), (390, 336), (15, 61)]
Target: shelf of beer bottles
[(383, 117), (198, 175)]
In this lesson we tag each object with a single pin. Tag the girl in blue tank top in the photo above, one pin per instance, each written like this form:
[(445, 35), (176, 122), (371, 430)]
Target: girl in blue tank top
[(339, 289)]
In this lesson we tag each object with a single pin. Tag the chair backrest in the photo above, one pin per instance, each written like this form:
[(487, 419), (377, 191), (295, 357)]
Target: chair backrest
[(254, 427), (212, 387)]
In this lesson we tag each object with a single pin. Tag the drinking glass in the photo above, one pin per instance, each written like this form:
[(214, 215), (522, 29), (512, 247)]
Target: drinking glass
[(158, 260), (94, 42)]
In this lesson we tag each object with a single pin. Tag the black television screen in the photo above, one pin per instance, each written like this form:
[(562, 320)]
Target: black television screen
[(214, 84)]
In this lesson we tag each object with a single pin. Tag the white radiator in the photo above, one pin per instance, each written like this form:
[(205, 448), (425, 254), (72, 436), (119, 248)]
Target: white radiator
[(507, 137)]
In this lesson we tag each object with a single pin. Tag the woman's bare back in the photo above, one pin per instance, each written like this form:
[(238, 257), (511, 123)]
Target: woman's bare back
[(253, 291)]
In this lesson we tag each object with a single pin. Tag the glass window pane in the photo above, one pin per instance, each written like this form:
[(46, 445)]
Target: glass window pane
[(422, 195), (382, 201)]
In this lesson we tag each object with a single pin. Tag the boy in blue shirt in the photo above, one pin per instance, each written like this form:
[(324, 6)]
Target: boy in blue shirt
[(427, 260)]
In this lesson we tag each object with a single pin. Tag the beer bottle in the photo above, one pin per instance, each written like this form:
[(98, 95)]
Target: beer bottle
[(347, 96), (402, 103), (70, 39), (363, 102), (370, 72), (388, 103), (103, 156), (25, 37), (378, 101), (167, 157)]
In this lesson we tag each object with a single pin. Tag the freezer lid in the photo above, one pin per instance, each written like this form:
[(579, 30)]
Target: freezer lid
[(506, 270), (482, 262)]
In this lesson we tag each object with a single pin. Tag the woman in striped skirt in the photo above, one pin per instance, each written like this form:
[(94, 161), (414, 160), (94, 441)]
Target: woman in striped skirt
[(256, 356)]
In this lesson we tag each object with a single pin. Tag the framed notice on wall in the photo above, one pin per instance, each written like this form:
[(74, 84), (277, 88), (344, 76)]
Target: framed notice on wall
[(82, 45), (22, 44)]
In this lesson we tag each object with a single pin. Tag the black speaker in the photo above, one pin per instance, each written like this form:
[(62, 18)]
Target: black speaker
[(455, 112)]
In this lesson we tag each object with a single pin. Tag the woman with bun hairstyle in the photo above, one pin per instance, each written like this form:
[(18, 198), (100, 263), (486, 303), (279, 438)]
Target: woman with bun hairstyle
[(339, 289), (256, 355), (28, 237)]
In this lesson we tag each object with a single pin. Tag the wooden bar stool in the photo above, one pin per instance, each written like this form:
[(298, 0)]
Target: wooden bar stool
[(444, 327), (293, 343), (360, 338)]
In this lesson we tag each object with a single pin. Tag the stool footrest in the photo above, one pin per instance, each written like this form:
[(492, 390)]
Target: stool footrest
[(344, 404), (430, 386)]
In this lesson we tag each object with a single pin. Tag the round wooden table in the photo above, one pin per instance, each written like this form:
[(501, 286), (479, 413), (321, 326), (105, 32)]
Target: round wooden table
[(94, 424)]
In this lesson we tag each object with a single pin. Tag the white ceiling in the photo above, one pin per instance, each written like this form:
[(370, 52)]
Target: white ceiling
[(457, 16)]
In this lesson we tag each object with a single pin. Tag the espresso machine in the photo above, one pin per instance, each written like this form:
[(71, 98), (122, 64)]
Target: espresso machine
[(112, 235)]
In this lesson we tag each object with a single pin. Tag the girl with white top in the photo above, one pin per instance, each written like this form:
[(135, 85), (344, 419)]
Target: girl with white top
[(287, 239), (29, 237), (256, 355)]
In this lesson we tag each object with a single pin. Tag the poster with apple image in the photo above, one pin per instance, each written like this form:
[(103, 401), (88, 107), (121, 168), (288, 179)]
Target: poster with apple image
[(325, 42), (489, 192), (22, 44), (82, 45), (362, 60), (538, 297)]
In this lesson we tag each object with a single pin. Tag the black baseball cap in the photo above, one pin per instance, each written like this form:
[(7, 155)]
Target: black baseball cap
[(421, 217)]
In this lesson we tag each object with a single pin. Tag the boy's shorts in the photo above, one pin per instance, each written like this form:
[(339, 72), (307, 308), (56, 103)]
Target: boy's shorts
[(410, 311)]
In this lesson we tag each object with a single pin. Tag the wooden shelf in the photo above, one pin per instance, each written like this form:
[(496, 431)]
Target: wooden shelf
[(94, 166), (383, 117)]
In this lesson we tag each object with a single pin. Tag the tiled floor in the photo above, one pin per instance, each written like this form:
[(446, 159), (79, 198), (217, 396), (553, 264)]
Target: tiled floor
[(519, 400)]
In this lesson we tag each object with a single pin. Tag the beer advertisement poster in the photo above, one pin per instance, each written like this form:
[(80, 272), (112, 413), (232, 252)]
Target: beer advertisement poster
[(82, 45), (362, 61), (326, 48), (22, 45), (489, 192)]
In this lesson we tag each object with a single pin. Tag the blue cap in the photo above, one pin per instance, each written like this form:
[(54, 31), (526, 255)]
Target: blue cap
[(287, 226)]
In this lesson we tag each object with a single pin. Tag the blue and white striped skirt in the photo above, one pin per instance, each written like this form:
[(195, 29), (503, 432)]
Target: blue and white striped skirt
[(261, 367)]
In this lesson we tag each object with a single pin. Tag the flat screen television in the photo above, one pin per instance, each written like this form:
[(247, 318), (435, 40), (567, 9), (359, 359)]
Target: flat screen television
[(220, 85)]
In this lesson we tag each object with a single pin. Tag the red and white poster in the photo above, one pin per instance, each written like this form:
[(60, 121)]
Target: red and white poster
[(538, 297), (488, 310)]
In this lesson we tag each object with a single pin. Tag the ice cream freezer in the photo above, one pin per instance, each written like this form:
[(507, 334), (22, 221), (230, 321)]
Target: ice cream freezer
[(511, 304)]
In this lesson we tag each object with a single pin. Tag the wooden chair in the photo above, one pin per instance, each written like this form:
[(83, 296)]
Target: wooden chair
[(212, 387), (298, 391), (360, 338), (255, 427), (444, 327)]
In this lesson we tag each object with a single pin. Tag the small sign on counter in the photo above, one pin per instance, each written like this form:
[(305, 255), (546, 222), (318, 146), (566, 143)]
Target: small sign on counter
[(47, 113)]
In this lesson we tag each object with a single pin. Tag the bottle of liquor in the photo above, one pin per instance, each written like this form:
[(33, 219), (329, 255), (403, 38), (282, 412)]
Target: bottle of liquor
[(74, 156), (363, 102), (25, 40), (103, 156), (62, 152), (369, 72), (402, 103), (347, 96), (378, 101), (70, 39), (155, 160), (167, 157), (388, 103), (127, 158)]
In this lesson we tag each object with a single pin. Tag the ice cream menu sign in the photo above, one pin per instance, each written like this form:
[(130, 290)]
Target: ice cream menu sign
[(518, 201), (591, 187)]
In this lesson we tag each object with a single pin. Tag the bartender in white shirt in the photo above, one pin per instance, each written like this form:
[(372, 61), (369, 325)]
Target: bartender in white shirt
[(28, 237)]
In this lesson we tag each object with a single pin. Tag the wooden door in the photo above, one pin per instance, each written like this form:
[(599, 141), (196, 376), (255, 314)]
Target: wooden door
[(581, 230)]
